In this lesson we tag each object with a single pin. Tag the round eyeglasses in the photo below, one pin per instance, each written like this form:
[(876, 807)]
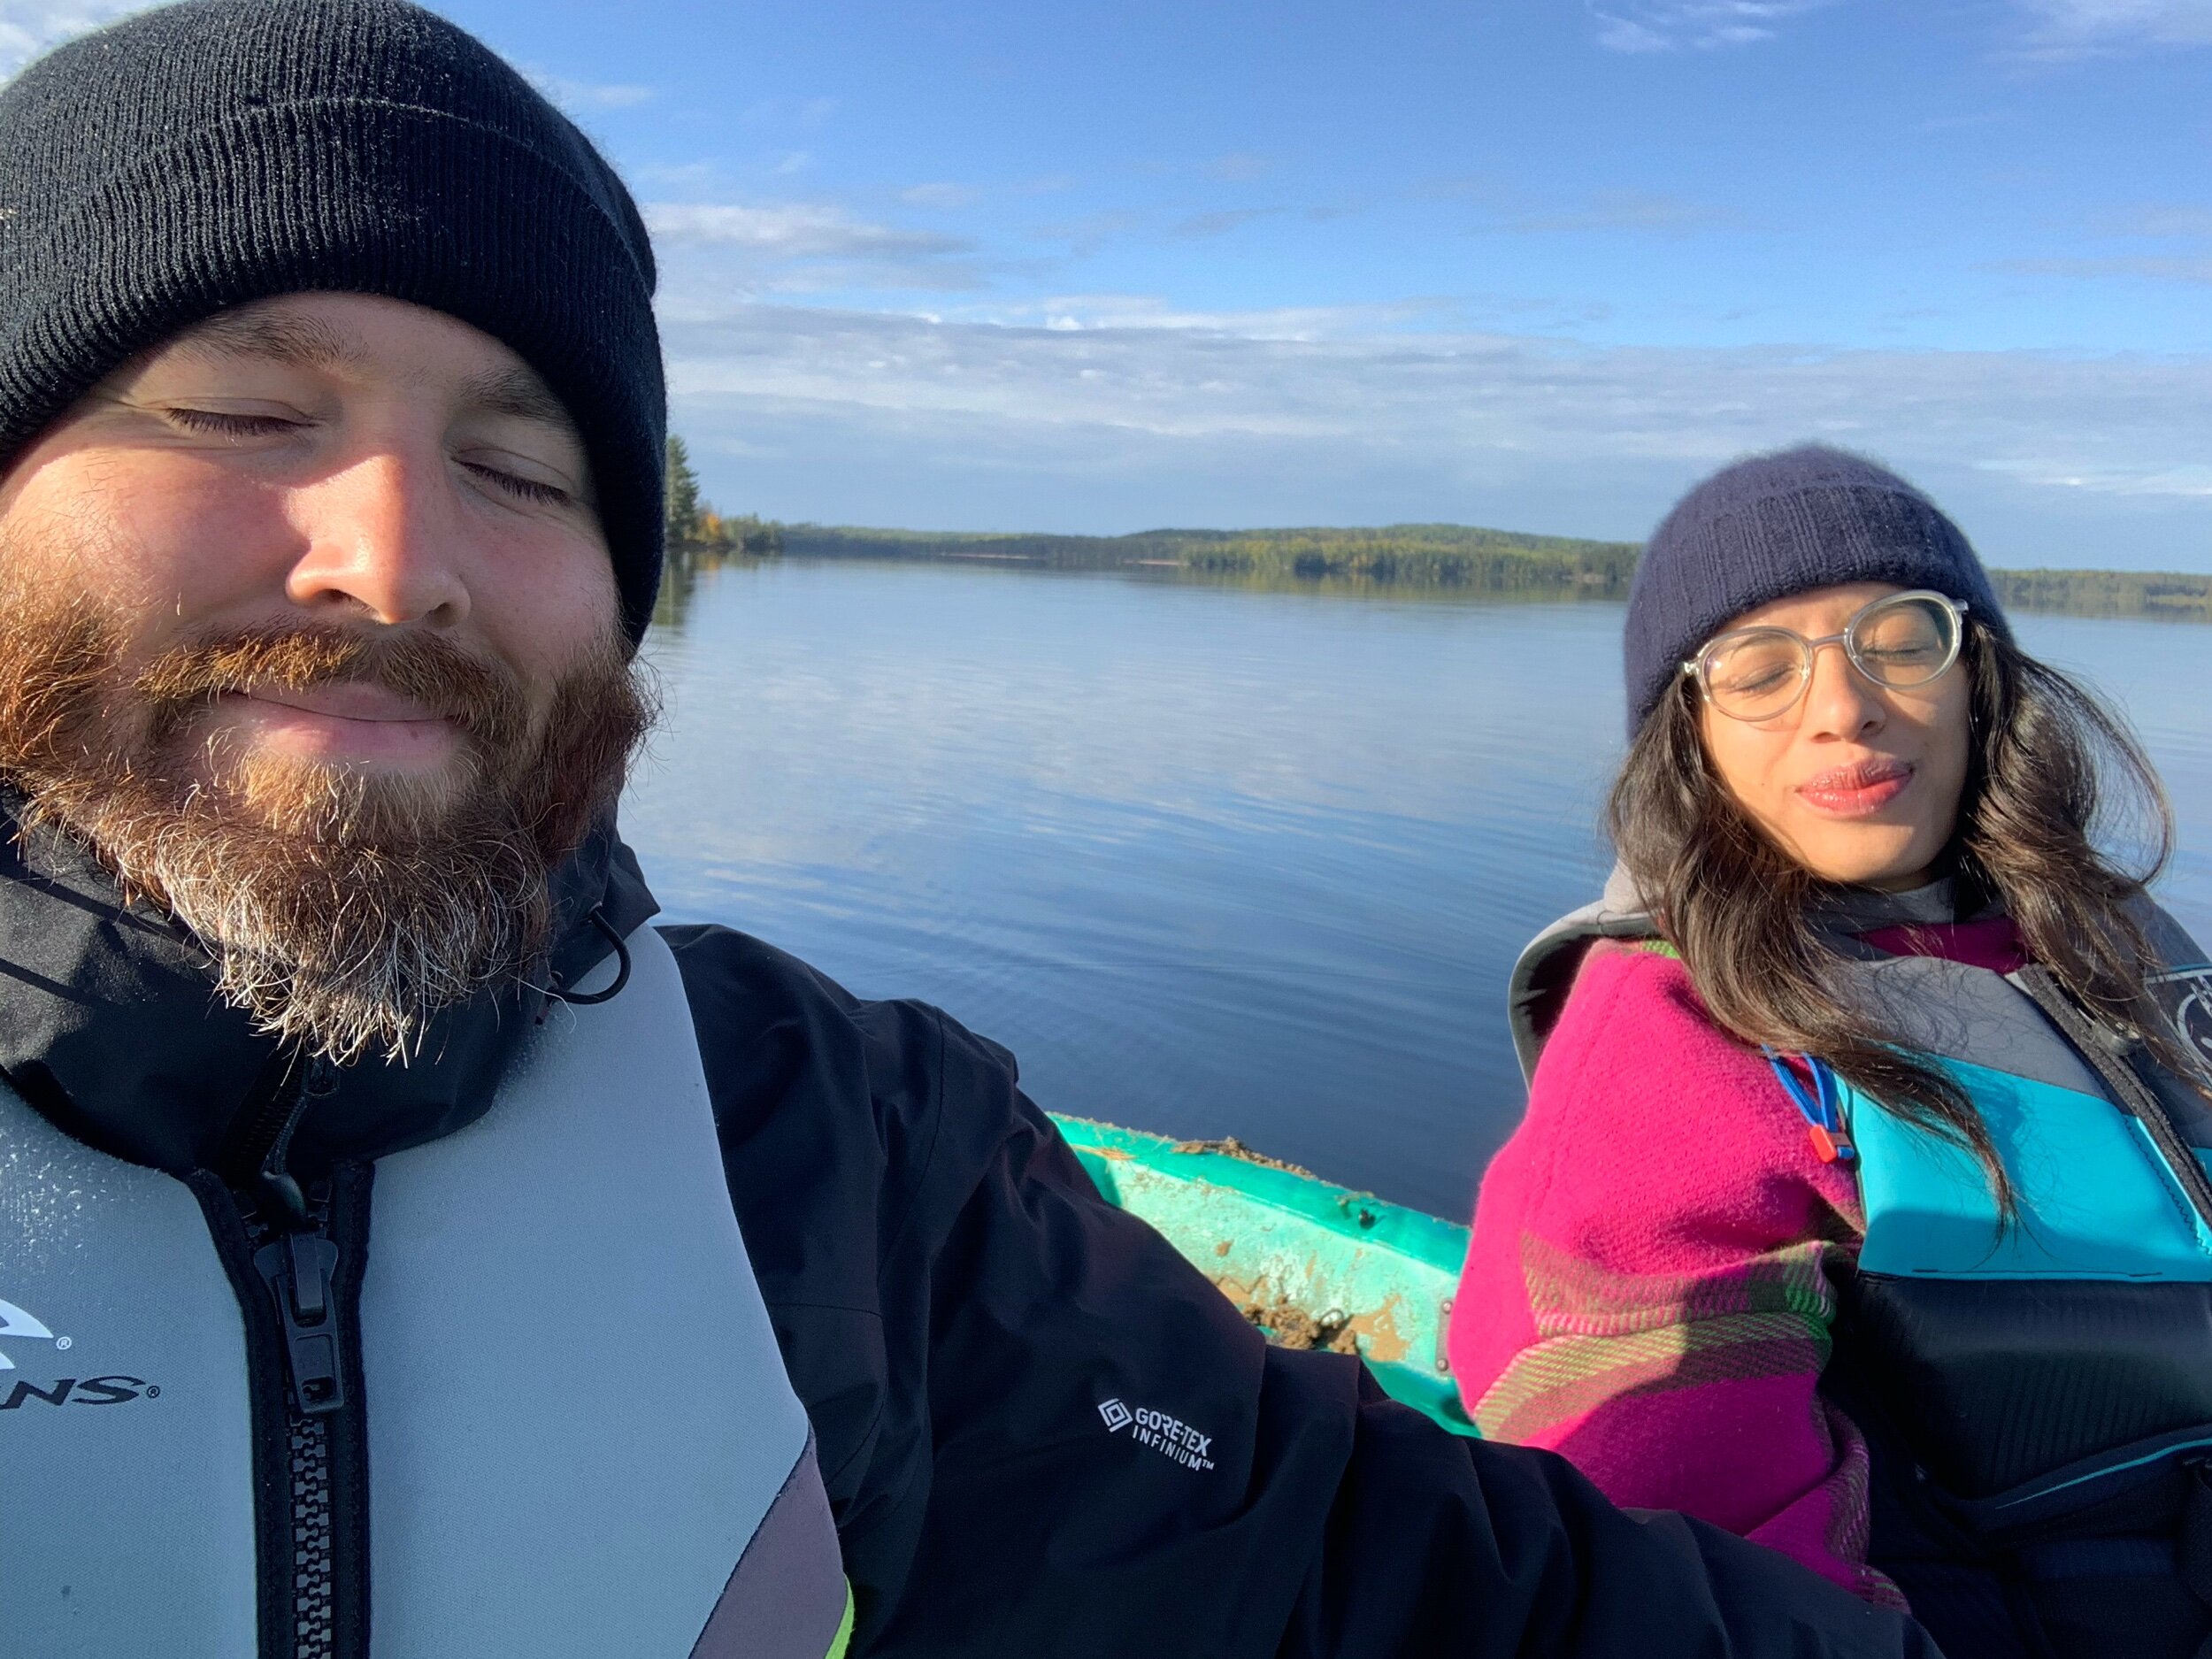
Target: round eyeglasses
[(1899, 642)]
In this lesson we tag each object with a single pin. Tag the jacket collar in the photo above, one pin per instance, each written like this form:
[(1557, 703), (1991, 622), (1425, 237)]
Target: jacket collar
[(1545, 973), (110, 1027)]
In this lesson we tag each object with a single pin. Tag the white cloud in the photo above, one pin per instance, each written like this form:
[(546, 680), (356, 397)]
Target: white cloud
[(940, 196), (579, 97), (2062, 28), (1360, 415), (28, 27), (1333, 375), (1666, 26), (716, 247), (794, 231)]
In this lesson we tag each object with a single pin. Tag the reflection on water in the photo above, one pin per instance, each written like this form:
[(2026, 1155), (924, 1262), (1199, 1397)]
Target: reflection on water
[(1209, 862)]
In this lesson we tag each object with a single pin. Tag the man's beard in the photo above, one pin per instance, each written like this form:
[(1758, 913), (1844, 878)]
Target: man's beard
[(341, 908)]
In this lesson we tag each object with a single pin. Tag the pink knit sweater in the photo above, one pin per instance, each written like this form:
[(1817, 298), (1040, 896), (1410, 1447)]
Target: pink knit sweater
[(1653, 1274)]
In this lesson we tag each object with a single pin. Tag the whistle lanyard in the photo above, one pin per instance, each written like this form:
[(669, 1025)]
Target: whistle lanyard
[(1822, 1106)]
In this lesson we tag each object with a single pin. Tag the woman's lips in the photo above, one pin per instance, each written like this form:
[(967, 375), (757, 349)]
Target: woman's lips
[(1859, 790)]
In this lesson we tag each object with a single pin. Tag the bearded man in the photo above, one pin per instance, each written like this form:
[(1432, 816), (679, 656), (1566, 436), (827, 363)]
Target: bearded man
[(406, 1247)]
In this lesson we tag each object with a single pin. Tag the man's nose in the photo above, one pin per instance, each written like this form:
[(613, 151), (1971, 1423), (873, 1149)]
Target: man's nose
[(382, 542), (1841, 702)]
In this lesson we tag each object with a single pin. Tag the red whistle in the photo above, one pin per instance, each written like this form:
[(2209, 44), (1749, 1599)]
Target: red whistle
[(1831, 1148)]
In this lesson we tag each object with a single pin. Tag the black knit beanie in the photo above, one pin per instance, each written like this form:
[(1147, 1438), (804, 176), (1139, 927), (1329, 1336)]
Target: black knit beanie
[(208, 154), (1781, 524)]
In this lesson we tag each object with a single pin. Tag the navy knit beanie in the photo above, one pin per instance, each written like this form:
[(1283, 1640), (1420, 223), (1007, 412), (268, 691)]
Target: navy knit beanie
[(1776, 524), (216, 152)]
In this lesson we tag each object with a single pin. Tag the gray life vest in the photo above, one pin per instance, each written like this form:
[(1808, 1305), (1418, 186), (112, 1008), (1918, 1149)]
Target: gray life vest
[(580, 1438), (2038, 1394)]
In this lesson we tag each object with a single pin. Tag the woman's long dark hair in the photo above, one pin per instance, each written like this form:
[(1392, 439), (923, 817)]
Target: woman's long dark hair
[(2050, 772)]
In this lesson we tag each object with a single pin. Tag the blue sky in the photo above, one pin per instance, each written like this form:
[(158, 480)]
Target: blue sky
[(1529, 262)]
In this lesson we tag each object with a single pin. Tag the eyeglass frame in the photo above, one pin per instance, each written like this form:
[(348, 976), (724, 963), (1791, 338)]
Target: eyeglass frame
[(1693, 668)]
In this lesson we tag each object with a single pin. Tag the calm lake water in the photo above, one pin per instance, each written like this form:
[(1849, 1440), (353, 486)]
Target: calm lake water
[(1209, 862)]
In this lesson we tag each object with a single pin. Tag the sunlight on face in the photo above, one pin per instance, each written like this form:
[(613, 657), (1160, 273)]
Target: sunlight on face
[(307, 627), (1857, 782), (322, 461)]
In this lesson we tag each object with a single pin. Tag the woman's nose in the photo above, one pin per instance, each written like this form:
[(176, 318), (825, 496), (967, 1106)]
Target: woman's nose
[(1840, 701)]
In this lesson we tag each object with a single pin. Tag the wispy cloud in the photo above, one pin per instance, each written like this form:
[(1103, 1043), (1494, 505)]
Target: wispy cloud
[(799, 230), (1503, 204), (1666, 26), (1073, 313), (1088, 232), (940, 196), (1241, 167), (2185, 221), (1157, 387), (799, 246), (1626, 210), (1200, 227), (2178, 238), (2063, 29), (588, 96), (2141, 267), (799, 114), (28, 27)]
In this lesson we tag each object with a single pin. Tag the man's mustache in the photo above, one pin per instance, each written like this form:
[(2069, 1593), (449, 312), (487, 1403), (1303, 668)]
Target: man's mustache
[(482, 699)]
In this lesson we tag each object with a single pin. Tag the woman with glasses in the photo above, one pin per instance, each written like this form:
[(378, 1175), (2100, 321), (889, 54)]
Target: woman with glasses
[(1860, 1207)]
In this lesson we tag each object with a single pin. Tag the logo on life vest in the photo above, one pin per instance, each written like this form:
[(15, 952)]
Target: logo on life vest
[(1172, 1439), (17, 1325), (2187, 996)]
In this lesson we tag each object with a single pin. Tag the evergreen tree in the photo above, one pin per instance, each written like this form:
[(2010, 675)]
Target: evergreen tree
[(682, 501)]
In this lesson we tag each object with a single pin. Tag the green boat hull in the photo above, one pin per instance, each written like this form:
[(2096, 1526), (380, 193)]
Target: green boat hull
[(1314, 1265)]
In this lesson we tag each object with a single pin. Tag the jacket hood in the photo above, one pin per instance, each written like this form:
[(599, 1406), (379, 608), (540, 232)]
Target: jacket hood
[(1546, 970), (110, 1025)]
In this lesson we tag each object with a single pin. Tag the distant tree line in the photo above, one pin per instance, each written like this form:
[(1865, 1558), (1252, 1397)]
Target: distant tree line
[(1424, 556), (2107, 592), (1406, 557), (693, 525), (1410, 555)]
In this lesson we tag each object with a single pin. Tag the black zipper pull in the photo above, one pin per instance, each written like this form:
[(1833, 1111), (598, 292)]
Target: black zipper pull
[(301, 1269), (300, 1266)]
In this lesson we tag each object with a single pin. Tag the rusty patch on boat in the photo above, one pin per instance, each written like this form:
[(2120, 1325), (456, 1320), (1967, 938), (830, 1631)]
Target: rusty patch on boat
[(1230, 1146), (1382, 1342), (1287, 1326)]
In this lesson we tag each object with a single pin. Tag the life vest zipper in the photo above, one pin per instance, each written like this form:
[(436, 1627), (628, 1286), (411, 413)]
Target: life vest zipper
[(298, 1261)]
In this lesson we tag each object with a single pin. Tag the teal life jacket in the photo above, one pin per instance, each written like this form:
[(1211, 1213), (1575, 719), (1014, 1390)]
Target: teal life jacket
[(2037, 1396), (554, 1373)]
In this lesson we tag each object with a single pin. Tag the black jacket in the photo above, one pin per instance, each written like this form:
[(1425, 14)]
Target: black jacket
[(954, 1303)]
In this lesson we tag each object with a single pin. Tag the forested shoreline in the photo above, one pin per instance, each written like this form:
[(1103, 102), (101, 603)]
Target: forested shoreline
[(1444, 558), (1404, 559)]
